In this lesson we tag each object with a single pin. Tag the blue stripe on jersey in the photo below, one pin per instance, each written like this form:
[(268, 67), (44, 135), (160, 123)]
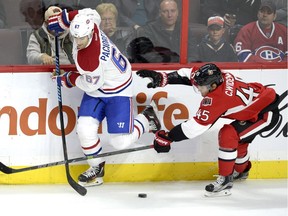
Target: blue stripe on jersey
[(116, 92), (143, 129), (96, 153)]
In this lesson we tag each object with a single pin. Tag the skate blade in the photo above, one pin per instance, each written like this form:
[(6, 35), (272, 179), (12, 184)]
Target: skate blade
[(222, 193), (239, 180), (96, 182)]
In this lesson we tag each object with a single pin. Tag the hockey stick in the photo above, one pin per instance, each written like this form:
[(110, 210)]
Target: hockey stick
[(8, 170), (80, 189)]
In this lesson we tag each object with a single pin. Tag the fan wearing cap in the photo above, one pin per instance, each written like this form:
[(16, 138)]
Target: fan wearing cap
[(263, 40), (234, 12), (41, 45), (214, 47)]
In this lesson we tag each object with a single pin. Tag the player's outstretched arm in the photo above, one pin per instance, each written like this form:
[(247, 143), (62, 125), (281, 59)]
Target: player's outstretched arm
[(161, 79)]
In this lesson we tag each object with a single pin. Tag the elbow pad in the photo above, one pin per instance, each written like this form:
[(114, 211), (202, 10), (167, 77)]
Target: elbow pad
[(176, 134), (175, 78)]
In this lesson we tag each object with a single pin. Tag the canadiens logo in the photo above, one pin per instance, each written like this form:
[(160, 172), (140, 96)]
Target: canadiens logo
[(207, 101), (269, 53)]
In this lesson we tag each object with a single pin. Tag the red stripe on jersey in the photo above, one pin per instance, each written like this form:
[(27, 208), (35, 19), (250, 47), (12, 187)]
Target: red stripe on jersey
[(120, 86), (91, 147), (138, 129), (88, 58)]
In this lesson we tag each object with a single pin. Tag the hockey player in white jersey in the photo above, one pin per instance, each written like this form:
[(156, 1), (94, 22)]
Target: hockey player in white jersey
[(105, 76)]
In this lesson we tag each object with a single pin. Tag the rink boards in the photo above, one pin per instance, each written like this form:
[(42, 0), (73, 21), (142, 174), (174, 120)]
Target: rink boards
[(30, 132)]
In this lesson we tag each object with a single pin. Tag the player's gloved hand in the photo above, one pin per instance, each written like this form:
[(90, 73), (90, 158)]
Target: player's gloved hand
[(162, 142), (59, 23), (63, 80), (158, 79)]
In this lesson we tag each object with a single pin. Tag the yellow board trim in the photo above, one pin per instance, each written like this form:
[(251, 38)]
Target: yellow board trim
[(144, 172)]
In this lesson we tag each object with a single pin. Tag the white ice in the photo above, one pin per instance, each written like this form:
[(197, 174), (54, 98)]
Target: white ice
[(249, 198)]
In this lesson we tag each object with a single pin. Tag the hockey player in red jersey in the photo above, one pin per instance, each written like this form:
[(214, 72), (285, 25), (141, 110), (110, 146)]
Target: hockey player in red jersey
[(252, 106), (263, 40), (105, 76)]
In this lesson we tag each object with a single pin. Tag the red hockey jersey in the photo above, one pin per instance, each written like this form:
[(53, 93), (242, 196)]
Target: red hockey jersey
[(234, 99), (252, 45)]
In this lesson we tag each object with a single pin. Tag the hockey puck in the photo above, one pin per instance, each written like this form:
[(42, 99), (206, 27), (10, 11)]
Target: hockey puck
[(142, 195)]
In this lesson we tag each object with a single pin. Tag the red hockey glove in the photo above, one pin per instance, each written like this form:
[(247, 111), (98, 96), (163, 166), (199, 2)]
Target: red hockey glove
[(63, 80), (162, 142), (159, 79), (59, 23)]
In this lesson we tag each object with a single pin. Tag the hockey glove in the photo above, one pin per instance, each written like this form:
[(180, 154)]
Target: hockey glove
[(59, 23), (158, 79), (63, 80), (162, 142)]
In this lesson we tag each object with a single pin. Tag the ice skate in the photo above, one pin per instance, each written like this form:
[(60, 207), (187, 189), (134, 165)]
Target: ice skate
[(150, 112), (221, 187), (93, 176), (243, 175)]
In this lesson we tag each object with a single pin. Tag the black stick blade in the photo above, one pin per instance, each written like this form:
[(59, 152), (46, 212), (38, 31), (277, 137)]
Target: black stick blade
[(5, 169), (78, 188)]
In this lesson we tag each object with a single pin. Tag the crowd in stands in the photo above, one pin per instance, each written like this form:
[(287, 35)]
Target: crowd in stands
[(149, 31)]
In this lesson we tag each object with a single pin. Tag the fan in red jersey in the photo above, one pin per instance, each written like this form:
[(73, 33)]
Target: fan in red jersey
[(263, 40)]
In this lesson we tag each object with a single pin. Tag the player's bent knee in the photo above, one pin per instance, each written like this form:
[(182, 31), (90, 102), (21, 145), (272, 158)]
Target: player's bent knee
[(87, 128), (120, 141), (228, 137)]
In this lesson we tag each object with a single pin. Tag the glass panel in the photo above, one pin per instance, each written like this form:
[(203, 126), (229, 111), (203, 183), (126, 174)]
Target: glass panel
[(140, 33), (234, 27), (157, 30)]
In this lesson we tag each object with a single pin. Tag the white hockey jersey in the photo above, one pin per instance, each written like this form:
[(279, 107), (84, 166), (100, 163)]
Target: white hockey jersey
[(105, 71)]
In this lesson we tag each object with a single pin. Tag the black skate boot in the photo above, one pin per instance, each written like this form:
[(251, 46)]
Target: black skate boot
[(221, 187), (150, 113), (243, 175), (93, 176)]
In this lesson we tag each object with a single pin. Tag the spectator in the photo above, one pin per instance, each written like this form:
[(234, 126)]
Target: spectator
[(281, 11), (138, 13), (41, 45), (33, 11), (236, 13), (2, 16), (233, 11), (263, 40), (165, 31), (109, 17), (214, 47)]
